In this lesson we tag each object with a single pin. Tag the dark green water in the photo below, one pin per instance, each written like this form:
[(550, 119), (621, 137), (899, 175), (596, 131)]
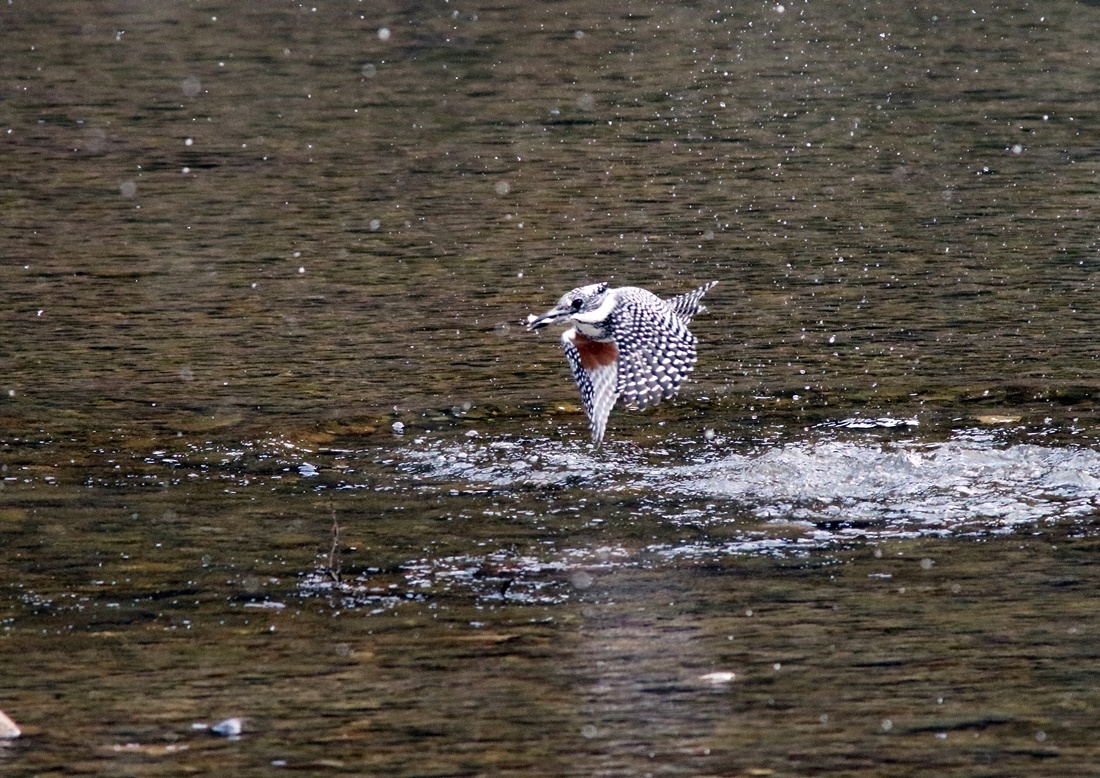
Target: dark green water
[(241, 241)]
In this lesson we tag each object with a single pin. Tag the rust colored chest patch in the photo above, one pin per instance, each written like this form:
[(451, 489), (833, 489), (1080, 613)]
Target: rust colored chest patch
[(594, 353)]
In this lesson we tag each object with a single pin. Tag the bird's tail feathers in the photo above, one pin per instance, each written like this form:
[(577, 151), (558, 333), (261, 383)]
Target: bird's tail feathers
[(689, 304)]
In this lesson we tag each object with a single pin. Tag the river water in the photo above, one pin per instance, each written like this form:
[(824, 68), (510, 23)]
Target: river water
[(275, 446)]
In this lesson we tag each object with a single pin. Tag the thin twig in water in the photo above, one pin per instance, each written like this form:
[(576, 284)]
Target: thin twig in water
[(335, 563)]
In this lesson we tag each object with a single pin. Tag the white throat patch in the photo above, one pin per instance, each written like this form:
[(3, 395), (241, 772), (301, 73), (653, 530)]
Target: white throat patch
[(598, 315)]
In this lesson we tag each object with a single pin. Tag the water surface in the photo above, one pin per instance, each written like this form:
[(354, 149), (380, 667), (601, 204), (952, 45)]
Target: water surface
[(242, 243)]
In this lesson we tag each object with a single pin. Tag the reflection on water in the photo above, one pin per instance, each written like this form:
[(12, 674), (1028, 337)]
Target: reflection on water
[(246, 244)]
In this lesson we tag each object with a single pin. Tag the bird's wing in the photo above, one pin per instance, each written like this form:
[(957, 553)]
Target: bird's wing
[(656, 350), (690, 304), (595, 368)]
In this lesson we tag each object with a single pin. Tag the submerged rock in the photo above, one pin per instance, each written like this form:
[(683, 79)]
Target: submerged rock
[(228, 727), (8, 728)]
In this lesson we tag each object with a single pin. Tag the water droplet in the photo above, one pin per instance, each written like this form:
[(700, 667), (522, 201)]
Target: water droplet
[(191, 86)]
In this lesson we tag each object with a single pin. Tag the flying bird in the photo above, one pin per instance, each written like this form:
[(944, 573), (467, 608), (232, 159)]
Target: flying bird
[(625, 343)]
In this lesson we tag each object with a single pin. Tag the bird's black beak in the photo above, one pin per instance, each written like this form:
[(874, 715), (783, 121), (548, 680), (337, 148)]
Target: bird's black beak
[(548, 318)]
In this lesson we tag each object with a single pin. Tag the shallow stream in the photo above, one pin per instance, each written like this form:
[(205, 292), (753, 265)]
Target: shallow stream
[(275, 446)]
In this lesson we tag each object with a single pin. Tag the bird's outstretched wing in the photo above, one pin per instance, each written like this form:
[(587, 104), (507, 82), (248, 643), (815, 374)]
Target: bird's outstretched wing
[(656, 350), (595, 368)]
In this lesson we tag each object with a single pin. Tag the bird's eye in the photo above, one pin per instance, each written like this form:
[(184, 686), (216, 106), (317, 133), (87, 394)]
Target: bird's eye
[(577, 303)]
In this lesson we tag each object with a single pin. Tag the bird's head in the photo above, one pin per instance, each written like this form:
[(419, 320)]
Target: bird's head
[(583, 299)]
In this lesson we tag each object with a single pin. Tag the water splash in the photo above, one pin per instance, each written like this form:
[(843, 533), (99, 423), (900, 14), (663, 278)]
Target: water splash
[(930, 485)]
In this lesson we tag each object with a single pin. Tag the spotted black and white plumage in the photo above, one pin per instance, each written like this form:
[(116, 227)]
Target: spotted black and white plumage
[(625, 343)]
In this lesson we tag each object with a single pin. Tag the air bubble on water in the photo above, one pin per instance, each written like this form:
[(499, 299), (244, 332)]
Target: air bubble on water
[(191, 86), (384, 33), (368, 70), (502, 187), (127, 189), (374, 224)]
